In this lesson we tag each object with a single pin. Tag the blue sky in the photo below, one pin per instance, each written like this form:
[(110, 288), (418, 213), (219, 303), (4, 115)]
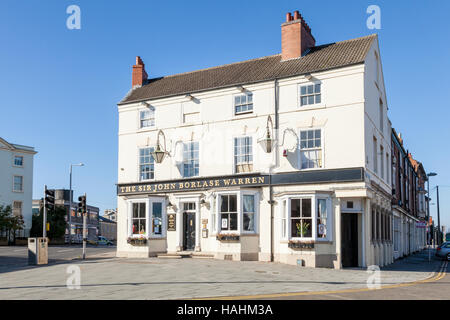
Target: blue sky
[(60, 87)]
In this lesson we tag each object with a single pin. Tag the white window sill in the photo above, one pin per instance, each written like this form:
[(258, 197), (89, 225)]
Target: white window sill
[(145, 129), (246, 115), (311, 107)]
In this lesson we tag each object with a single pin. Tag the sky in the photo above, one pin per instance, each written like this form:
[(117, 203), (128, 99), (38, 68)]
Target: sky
[(60, 88)]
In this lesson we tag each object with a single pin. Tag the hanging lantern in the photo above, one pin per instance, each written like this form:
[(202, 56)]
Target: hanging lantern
[(158, 153), (268, 142)]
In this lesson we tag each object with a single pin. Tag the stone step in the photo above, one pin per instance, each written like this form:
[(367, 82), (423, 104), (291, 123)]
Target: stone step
[(168, 256), (179, 255)]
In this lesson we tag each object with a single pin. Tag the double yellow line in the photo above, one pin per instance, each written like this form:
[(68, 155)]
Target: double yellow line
[(441, 274)]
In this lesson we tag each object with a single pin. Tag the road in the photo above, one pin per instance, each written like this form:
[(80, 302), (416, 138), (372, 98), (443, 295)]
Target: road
[(14, 258)]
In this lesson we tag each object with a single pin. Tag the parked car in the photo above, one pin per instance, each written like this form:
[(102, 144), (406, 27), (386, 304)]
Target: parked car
[(443, 251), (105, 241), (92, 241)]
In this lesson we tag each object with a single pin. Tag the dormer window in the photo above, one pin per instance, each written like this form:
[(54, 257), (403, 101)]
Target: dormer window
[(310, 94), (243, 103)]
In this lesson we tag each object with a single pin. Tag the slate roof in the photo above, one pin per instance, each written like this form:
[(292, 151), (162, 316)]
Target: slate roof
[(319, 58)]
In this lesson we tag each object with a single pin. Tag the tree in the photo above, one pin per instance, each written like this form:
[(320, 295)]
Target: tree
[(10, 222), (56, 219), (5, 212)]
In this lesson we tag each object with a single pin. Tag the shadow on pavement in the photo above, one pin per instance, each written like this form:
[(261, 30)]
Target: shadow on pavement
[(11, 264)]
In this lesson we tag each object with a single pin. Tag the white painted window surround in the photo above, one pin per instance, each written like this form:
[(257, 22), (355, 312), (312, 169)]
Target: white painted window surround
[(320, 214), (155, 217), (243, 211), (18, 183), (243, 103), (311, 151)]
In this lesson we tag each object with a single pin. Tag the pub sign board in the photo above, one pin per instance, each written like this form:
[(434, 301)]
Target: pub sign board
[(250, 180), (171, 222), (193, 184)]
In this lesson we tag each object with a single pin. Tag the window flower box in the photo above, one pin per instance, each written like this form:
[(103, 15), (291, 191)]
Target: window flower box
[(227, 237), (137, 241), (298, 244)]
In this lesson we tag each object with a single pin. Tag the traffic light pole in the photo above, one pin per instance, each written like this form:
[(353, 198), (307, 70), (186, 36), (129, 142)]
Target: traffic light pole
[(44, 223), (439, 217), (84, 230)]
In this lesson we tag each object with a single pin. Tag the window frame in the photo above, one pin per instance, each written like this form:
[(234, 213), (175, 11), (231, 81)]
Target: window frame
[(14, 161), (235, 164), (314, 207), (21, 208), (152, 116), (149, 234), (240, 212), (185, 161), (322, 147), (246, 94), (14, 183), (299, 94), (375, 155), (152, 161)]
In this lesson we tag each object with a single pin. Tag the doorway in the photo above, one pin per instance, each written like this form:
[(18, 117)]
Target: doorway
[(349, 238), (189, 226)]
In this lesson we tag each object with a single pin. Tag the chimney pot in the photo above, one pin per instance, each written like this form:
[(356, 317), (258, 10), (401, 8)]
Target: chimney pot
[(296, 15), (288, 17)]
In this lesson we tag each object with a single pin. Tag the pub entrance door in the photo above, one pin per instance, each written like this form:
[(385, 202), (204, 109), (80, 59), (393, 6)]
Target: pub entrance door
[(349, 238), (189, 226)]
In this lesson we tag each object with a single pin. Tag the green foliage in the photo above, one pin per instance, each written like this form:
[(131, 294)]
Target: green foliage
[(57, 223), (9, 222)]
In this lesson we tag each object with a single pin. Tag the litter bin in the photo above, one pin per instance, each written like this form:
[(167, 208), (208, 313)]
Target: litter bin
[(37, 251)]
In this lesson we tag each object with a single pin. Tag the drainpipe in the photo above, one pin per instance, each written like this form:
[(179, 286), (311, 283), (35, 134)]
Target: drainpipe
[(270, 171)]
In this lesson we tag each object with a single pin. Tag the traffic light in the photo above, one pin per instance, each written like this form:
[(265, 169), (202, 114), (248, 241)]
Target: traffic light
[(49, 199), (82, 204)]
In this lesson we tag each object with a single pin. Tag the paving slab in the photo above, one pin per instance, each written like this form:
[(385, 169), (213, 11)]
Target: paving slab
[(153, 278)]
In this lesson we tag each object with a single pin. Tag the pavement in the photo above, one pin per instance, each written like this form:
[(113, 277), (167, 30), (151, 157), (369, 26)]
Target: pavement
[(15, 258), (102, 276)]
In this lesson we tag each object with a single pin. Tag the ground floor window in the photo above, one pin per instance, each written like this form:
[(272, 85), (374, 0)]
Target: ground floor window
[(321, 218), (306, 217), (249, 212), (157, 218), (138, 219), (237, 212), (146, 217), (301, 218), (228, 212)]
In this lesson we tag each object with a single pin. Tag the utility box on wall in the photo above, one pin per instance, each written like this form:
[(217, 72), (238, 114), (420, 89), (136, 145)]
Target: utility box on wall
[(37, 251)]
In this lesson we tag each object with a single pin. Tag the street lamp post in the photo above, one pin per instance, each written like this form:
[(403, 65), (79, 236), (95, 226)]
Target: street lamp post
[(431, 174), (70, 201)]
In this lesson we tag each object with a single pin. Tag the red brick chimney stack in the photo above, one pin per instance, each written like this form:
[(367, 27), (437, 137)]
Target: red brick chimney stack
[(139, 75), (296, 36)]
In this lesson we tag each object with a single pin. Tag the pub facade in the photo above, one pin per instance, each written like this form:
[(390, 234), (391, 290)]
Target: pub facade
[(283, 158)]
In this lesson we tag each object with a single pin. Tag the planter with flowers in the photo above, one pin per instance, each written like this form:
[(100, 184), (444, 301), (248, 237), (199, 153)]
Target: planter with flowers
[(227, 237), (302, 229), (141, 241)]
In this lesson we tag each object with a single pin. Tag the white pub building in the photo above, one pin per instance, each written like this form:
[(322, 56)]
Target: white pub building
[(282, 158)]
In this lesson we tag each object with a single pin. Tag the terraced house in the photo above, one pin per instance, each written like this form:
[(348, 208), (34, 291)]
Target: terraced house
[(282, 158)]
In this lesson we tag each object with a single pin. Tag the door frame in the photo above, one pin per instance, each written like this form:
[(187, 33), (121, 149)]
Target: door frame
[(356, 250), (180, 220), (185, 213)]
